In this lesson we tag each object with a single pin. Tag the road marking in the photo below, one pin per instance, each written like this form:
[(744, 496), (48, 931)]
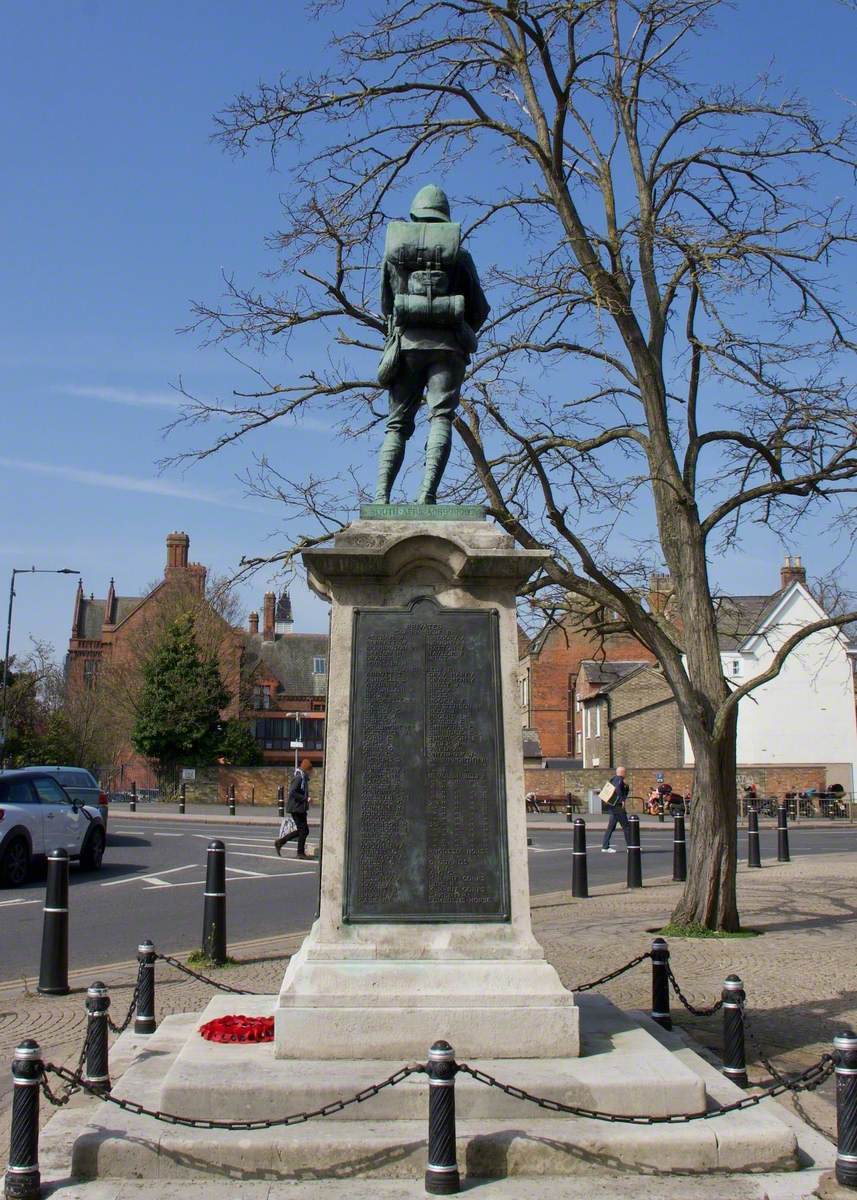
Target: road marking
[(248, 854), (243, 871), (157, 834), (149, 875), (260, 875), (6, 903)]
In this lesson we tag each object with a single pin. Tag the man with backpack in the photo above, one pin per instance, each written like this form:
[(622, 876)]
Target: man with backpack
[(434, 305)]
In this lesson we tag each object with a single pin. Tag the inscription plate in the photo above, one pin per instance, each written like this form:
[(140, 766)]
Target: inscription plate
[(426, 784)]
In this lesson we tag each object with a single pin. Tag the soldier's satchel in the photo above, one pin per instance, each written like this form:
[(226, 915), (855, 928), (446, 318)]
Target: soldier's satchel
[(388, 367), (608, 794)]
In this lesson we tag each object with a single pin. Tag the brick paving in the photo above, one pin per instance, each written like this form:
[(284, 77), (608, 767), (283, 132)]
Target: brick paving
[(799, 975)]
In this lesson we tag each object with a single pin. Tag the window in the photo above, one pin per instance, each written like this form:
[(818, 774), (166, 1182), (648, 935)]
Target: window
[(579, 739), (598, 720), (50, 792), (18, 792), (90, 672), (319, 666), (278, 733), (736, 666), (261, 696)]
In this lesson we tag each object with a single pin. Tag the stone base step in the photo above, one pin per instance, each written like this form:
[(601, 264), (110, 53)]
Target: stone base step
[(623, 1069), (114, 1144)]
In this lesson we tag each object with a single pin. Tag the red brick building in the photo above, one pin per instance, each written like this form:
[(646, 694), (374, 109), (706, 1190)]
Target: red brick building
[(114, 632), (277, 678), (548, 675), (286, 677)]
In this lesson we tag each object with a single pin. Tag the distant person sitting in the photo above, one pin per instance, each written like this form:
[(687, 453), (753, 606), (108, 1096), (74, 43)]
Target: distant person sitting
[(618, 816)]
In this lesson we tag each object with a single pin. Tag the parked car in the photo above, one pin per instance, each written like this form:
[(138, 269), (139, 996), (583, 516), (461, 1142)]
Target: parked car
[(37, 815), (81, 785)]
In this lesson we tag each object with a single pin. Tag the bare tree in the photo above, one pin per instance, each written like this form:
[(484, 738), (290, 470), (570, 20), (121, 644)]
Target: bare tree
[(665, 357)]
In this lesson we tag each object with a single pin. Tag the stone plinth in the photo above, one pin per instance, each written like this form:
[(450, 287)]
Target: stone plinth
[(384, 988)]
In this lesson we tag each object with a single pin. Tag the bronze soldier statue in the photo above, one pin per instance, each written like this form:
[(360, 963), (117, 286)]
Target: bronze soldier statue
[(434, 305)]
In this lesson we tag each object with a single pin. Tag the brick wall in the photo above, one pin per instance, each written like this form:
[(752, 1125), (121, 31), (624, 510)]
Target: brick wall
[(646, 727), (252, 784)]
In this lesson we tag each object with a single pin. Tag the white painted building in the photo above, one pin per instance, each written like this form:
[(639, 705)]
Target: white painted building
[(807, 713)]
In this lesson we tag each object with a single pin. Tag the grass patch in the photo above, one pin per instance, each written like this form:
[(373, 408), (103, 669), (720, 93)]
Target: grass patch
[(695, 930), (198, 958)]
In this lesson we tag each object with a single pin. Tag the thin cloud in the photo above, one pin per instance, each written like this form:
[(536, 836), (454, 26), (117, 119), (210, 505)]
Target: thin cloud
[(132, 397), (123, 483)]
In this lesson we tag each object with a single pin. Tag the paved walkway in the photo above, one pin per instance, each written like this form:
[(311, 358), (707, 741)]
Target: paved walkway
[(799, 975)]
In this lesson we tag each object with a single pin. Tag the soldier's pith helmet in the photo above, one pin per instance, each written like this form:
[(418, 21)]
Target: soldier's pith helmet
[(430, 204)]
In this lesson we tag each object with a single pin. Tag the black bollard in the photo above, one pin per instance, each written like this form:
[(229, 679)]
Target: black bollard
[(182, 798), (144, 1018), (679, 850), (442, 1178), (661, 811), (845, 1053), (96, 1072), (53, 970), (579, 869), (783, 834), (661, 983), (281, 802), (734, 1058), (635, 866), (232, 799), (132, 803), (569, 808), (23, 1181), (214, 915), (753, 855)]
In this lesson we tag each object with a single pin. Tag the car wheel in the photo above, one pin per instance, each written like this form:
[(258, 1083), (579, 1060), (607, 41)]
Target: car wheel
[(15, 864), (93, 851)]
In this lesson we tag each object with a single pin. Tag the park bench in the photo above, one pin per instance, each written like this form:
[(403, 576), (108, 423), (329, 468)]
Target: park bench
[(554, 803)]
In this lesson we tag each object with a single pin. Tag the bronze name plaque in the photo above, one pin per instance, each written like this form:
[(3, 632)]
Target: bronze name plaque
[(426, 785)]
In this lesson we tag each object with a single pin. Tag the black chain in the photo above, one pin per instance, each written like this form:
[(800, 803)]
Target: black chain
[(74, 1078), (810, 1079), (697, 1012), (132, 1007), (223, 987), (779, 1077), (629, 966), (76, 1083)]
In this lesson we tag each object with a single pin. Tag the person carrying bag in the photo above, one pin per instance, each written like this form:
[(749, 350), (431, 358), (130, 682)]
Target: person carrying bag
[(295, 823), (614, 794)]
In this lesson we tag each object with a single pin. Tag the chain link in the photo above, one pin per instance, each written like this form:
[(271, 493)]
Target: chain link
[(697, 1012), (629, 966), (223, 987), (810, 1079), (75, 1077), (75, 1083), (132, 1007)]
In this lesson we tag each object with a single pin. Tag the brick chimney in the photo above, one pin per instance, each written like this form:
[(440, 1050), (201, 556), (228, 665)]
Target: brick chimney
[(660, 592), (178, 545), (792, 571), (253, 622), (197, 574), (269, 604)]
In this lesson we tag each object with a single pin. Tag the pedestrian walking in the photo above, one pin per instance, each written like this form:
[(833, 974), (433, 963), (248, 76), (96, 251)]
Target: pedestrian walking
[(295, 823), (616, 804)]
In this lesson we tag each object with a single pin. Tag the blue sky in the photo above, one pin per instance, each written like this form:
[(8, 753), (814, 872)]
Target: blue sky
[(118, 210)]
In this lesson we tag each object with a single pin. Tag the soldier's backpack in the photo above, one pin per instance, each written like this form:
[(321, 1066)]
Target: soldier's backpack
[(421, 256)]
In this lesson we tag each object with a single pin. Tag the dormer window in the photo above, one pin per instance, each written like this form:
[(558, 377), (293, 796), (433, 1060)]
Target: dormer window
[(736, 666)]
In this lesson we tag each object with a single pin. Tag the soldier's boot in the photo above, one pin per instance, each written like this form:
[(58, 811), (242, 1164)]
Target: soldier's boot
[(438, 447), (389, 463)]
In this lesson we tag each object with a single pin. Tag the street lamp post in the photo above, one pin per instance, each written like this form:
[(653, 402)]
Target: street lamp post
[(4, 718)]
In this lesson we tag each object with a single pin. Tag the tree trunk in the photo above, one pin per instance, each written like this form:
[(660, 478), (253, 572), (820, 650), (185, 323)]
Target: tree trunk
[(709, 896)]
